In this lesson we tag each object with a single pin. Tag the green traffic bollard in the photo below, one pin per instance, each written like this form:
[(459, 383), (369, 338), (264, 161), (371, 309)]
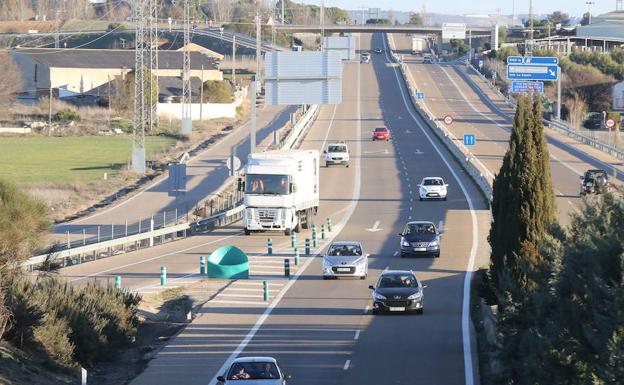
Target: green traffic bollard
[(265, 290), (118, 282), (163, 276), (329, 225), (314, 237), (270, 246), (296, 257), (322, 230), (293, 239), (202, 265), (286, 267), (307, 247)]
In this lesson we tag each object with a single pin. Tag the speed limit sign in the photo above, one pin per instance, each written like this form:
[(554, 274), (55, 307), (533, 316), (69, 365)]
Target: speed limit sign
[(609, 123), (448, 119)]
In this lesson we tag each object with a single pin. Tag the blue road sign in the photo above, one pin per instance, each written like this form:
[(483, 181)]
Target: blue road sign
[(420, 95), (523, 87), (470, 139), (532, 60), (532, 72)]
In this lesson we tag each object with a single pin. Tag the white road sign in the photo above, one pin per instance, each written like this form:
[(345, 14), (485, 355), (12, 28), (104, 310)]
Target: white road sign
[(453, 31)]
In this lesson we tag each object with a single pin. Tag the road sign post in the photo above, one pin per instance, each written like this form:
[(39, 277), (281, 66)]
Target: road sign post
[(296, 256), (202, 265), (117, 282), (163, 276), (286, 267), (265, 290), (307, 247)]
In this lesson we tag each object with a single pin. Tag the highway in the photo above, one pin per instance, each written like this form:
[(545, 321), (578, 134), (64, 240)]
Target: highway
[(451, 90), (206, 172), (322, 332)]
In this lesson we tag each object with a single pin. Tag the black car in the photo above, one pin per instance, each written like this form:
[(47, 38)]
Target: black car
[(398, 291), (420, 238)]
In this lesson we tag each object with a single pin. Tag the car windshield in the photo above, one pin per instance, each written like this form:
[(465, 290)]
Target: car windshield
[(345, 250), (420, 228), (397, 280), (433, 182), (267, 184), (337, 149), (380, 129), (253, 371)]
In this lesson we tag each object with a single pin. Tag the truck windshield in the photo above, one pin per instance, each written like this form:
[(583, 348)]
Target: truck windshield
[(267, 184)]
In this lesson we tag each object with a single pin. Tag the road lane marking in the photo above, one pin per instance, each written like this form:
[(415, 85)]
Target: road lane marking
[(395, 254), (366, 309), (375, 228), (346, 365), (441, 226), (466, 341), (357, 335), (352, 205), (228, 302)]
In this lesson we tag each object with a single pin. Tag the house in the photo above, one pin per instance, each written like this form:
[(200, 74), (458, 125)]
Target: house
[(84, 70), (193, 47)]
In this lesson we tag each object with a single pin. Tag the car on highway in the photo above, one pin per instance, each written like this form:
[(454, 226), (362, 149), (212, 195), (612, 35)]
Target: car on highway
[(432, 188), (254, 370), (427, 59), (381, 133), (378, 50), (337, 153), (594, 182), (345, 259), (398, 291), (365, 57), (420, 238)]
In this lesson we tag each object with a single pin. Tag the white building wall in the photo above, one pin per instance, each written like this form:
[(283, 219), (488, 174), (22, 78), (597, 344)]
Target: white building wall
[(206, 111)]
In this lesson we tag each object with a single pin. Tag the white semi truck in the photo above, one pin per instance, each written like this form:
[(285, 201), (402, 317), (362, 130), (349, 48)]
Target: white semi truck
[(281, 190), (418, 44)]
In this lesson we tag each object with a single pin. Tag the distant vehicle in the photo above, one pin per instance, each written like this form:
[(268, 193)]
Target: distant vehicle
[(281, 190), (594, 182), (427, 59), (381, 133), (432, 188), (378, 50), (337, 153), (420, 238), (398, 291), (365, 57), (254, 370), (418, 45), (297, 48), (345, 259)]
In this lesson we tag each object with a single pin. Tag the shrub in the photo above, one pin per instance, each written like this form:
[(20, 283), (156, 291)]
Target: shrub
[(53, 337), (216, 91), (115, 27), (66, 115)]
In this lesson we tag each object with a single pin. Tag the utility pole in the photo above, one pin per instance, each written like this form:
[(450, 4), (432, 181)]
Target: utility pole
[(187, 122), (50, 111), (139, 120), (589, 4), (252, 133), (283, 19), (258, 47), (152, 24), (322, 23), (201, 94), (234, 59)]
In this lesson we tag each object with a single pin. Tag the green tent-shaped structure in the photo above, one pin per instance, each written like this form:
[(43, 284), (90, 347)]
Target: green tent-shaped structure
[(228, 262)]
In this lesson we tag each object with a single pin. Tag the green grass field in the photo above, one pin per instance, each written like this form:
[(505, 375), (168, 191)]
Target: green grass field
[(66, 159)]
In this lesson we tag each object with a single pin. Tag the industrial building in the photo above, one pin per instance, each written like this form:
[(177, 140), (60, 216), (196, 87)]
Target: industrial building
[(80, 71)]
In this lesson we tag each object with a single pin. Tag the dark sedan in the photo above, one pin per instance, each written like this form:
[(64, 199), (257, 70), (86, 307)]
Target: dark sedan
[(398, 291), (420, 238)]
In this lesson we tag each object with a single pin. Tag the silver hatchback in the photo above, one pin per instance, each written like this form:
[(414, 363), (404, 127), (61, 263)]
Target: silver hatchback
[(345, 259)]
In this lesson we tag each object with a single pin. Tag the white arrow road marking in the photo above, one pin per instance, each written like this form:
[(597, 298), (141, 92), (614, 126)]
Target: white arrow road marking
[(408, 131), (375, 227), (418, 152)]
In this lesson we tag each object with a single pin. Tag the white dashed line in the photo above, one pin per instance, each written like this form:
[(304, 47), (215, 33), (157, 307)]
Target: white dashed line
[(395, 254), (357, 335), (366, 309), (346, 365)]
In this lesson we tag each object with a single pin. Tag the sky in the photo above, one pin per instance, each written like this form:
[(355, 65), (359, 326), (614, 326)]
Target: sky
[(459, 7)]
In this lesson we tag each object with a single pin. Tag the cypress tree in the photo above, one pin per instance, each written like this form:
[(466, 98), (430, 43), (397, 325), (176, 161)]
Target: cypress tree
[(523, 200)]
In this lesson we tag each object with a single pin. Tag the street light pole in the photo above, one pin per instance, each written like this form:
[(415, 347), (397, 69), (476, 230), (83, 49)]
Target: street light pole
[(589, 4)]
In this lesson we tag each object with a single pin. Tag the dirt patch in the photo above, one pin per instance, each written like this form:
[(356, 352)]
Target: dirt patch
[(18, 367), (163, 315)]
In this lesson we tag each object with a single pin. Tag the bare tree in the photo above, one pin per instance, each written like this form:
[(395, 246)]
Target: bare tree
[(577, 110), (10, 80)]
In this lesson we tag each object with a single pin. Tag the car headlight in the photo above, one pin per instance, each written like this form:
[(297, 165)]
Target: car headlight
[(417, 295), (404, 242), (435, 243), (378, 296)]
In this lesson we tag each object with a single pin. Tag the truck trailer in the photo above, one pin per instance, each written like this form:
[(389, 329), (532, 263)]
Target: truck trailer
[(281, 190), (418, 45)]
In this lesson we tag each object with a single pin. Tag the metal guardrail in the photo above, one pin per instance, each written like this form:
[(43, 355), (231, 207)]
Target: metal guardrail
[(466, 160), (232, 211)]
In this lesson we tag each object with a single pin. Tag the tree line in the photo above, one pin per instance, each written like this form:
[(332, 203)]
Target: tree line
[(558, 291)]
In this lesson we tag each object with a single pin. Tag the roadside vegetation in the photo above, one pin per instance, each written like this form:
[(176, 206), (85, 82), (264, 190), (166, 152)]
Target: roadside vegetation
[(557, 293)]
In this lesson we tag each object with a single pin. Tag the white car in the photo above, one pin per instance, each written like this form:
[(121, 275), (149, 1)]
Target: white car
[(432, 188), (337, 153), (254, 370), (345, 259)]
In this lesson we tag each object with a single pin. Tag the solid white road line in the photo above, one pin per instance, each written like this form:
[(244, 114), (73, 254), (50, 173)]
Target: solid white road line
[(467, 350), (346, 365), (259, 295), (257, 290), (238, 303), (257, 283), (352, 205)]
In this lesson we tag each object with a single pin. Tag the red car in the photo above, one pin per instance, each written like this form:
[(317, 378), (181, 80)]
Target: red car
[(381, 133)]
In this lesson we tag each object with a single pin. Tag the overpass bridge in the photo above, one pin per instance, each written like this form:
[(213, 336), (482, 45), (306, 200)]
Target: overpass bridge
[(474, 31)]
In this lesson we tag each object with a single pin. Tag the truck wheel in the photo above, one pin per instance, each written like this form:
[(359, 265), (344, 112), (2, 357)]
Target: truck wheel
[(287, 232), (247, 232)]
